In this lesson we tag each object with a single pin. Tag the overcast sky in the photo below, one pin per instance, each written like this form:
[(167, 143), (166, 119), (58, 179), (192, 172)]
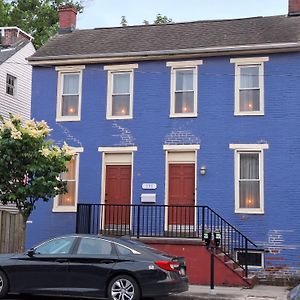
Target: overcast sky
[(103, 13)]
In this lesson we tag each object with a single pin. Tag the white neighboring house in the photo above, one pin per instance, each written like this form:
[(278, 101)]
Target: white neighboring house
[(15, 77), (15, 73)]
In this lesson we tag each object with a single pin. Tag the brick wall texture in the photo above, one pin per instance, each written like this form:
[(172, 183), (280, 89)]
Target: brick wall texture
[(277, 230)]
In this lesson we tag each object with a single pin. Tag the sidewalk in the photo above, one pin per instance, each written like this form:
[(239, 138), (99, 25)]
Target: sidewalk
[(259, 292)]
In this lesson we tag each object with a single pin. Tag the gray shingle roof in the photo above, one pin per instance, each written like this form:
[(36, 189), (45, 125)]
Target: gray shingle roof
[(171, 37), (7, 52)]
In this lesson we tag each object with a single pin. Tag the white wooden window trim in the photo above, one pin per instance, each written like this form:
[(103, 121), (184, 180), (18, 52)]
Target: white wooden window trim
[(73, 208), (68, 70), (115, 69), (248, 148), (181, 147), (117, 149), (240, 62), (183, 65), (14, 87)]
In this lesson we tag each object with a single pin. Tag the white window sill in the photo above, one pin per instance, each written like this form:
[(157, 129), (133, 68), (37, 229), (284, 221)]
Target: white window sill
[(63, 209), (119, 117), (249, 113), (67, 119), (249, 211), (183, 115)]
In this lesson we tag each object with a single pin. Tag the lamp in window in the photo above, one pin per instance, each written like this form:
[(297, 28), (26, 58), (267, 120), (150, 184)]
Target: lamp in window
[(71, 110), (250, 202), (203, 170)]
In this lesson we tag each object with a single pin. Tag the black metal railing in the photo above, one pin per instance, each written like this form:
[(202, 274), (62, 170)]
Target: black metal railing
[(162, 221)]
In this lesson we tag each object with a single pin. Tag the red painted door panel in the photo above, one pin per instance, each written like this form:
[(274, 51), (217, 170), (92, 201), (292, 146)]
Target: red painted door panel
[(117, 194), (181, 192)]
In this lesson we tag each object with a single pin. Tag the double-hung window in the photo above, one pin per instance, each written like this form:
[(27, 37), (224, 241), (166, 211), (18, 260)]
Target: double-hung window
[(68, 202), (249, 177), (249, 85), (120, 91), (184, 87), (69, 93), (11, 85)]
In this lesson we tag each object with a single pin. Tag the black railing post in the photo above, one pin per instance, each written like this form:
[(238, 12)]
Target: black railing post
[(138, 222), (77, 218), (203, 220), (246, 259), (89, 219)]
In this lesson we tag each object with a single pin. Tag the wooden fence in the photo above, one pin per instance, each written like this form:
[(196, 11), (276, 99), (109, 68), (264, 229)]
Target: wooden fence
[(10, 233)]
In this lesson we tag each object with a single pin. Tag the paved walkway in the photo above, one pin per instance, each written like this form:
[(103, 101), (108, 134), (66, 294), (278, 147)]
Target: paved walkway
[(259, 292)]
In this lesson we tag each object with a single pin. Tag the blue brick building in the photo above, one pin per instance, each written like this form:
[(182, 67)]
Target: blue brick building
[(190, 114)]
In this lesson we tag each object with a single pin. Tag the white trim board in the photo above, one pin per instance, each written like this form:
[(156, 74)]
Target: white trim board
[(117, 149), (250, 147), (181, 147)]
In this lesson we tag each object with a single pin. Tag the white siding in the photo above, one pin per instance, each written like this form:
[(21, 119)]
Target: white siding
[(17, 66)]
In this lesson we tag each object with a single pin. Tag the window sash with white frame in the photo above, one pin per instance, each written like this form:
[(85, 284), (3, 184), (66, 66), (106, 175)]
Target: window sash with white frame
[(69, 93), (120, 91), (68, 202), (249, 85), (11, 85), (184, 86), (249, 179)]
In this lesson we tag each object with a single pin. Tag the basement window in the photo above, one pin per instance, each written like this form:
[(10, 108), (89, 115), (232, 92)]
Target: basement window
[(255, 258)]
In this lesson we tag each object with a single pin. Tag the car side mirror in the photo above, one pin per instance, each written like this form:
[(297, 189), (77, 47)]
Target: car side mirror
[(30, 252)]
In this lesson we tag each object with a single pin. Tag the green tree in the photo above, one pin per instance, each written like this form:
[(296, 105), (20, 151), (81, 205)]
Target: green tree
[(4, 12), (162, 19), (123, 21), (39, 18), (159, 20), (30, 165)]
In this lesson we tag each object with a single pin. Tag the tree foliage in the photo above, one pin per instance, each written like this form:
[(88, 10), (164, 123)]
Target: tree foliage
[(39, 18), (159, 19), (30, 164), (123, 21)]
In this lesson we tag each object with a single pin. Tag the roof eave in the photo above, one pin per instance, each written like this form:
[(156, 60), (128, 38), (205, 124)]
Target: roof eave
[(160, 54)]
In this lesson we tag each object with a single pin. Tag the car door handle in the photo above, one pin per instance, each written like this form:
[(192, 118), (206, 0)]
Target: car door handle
[(61, 260)]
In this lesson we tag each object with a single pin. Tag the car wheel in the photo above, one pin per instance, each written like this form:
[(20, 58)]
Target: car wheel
[(123, 287), (3, 285)]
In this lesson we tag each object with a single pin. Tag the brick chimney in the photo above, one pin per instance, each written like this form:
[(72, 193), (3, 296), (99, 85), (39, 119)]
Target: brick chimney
[(67, 19), (294, 8), (11, 35)]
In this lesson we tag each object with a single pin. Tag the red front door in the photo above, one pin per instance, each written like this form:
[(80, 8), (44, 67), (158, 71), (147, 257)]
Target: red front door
[(181, 193), (117, 196)]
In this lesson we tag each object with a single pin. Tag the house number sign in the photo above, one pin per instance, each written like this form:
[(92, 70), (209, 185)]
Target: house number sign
[(149, 186)]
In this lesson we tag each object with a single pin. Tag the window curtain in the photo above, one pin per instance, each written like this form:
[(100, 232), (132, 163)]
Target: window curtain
[(249, 185)]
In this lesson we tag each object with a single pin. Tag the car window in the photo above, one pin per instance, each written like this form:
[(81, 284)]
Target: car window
[(56, 246), (123, 250), (94, 246)]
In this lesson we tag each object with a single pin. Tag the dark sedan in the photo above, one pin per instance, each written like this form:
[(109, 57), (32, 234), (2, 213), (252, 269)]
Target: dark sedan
[(93, 266)]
